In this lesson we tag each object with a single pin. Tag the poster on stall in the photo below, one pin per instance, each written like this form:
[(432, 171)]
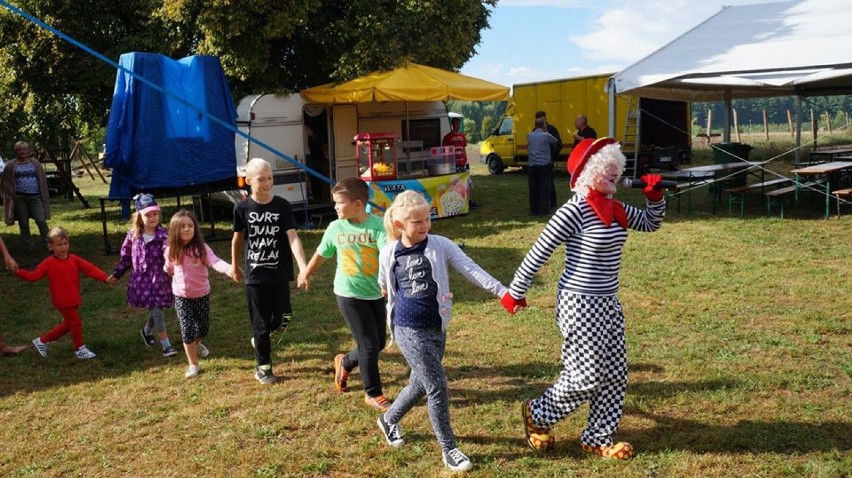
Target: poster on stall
[(448, 195)]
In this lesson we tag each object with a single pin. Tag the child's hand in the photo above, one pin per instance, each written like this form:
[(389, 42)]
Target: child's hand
[(112, 280), (11, 264), (511, 304), (303, 281), (236, 273)]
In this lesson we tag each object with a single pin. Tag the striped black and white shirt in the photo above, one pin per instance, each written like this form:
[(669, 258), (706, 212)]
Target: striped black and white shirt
[(592, 250)]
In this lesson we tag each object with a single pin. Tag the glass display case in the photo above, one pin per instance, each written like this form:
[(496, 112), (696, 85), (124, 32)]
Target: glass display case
[(376, 156)]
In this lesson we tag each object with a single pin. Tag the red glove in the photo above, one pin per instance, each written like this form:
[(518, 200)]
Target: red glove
[(650, 192), (511, 304)]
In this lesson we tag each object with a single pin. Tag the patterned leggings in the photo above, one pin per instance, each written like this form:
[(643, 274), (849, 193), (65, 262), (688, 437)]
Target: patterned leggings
[(595, 359), (194, 317), (423, 349)]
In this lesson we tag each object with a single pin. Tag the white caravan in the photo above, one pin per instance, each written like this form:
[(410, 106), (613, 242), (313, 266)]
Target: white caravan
[(321, 137)]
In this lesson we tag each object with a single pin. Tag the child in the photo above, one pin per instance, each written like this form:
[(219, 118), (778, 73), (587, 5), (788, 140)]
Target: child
[(265, 223), (63, 278), (413, 271), (187, 259), (356, 237), (149, 286), (593, 227)]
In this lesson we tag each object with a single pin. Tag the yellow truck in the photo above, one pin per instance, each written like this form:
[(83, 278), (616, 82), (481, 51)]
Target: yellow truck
[(663, 126)]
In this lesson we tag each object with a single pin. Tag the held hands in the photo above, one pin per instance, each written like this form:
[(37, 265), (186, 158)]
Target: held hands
[(236, 273), (111, 280), (650, 191), (303, 281), (511, 304)]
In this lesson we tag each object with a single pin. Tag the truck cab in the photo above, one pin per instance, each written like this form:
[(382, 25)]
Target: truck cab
[(498, 150)]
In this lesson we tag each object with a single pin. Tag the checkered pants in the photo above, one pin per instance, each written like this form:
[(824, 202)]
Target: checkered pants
[(595, 359)]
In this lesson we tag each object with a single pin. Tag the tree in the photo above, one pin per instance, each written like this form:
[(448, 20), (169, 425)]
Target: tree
[(50, 89), (292, 44)]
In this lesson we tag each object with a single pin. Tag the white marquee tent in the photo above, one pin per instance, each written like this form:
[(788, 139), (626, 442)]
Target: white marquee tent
[(790, 48)]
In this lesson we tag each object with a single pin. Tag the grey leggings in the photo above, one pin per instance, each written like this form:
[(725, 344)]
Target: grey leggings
[(156, 320), (423, 349)]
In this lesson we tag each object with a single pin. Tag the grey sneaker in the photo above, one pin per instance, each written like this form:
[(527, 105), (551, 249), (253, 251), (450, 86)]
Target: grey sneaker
[(265, 377), (456, 460), (192, 371), (148, 337), (84, 353), (169, 351), (392, 433), (202, 350), (40, 346)]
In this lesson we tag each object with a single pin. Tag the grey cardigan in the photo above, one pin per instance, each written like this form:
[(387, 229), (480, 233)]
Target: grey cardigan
[(442, 253)]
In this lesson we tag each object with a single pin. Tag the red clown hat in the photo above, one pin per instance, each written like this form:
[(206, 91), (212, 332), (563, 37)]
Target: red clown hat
[(582, 152)]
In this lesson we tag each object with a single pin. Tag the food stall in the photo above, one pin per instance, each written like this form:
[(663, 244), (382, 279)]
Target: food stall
[(390, 167)]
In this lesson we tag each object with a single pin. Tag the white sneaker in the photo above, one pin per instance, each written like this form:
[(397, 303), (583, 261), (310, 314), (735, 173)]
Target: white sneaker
[(456, 460), (202, 350), (192, 371), (40, 346), (252, 343), (84, 353)]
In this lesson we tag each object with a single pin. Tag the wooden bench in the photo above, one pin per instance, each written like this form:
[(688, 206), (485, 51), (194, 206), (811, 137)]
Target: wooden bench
[(779, 194), (847, 193), (737, 195)]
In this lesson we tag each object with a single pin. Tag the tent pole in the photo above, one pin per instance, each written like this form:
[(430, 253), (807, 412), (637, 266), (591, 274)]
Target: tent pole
[(729, 112), (612, 106), (798, 129)]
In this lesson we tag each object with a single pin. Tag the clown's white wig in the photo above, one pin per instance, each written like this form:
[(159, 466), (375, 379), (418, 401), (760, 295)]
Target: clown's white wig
[(607, 157)]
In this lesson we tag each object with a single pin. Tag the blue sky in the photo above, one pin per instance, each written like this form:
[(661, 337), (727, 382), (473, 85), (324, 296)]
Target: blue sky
[(533, 40)]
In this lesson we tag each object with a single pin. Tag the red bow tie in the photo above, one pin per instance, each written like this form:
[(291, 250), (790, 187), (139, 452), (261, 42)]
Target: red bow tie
[(607, 208)]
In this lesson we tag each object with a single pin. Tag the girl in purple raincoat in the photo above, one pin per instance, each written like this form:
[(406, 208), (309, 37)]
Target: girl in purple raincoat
[(149, 286)]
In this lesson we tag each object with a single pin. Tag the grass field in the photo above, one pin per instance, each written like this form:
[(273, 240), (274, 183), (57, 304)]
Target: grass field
[(738, 343)]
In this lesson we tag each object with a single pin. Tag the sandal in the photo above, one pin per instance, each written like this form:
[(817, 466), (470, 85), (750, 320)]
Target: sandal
[(618, 451), (539, 439)]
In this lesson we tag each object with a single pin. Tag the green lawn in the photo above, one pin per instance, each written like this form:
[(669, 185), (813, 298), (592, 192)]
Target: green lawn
[(738, 343)]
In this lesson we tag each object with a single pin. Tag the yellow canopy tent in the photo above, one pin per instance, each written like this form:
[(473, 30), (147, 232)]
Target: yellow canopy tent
[(412, 82)]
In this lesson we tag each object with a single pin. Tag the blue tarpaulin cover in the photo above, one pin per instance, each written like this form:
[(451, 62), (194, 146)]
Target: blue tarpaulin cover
[(155, 141)]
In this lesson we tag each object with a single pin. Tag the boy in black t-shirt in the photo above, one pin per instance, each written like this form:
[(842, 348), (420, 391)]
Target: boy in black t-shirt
[(265, 224)]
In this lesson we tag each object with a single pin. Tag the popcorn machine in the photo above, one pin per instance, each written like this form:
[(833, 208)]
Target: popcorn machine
[(376, 156)]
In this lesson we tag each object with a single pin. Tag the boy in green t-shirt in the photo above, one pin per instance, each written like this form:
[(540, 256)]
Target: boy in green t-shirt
[(356, 238)]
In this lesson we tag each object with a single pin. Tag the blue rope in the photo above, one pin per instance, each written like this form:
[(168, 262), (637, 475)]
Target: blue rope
[(158, 88)]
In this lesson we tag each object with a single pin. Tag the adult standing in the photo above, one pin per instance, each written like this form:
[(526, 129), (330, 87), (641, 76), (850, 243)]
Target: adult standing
[(25, 193), (554, 153), (540, 144), (584, 131), (458, 141)]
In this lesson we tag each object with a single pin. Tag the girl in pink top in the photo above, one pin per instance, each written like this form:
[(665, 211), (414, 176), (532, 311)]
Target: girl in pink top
[(187, 259)]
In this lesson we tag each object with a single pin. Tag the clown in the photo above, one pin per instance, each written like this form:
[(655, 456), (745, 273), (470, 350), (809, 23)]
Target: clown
[(593, 228)]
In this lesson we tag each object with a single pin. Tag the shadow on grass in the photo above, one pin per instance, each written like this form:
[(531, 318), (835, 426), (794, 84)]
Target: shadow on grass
[(746, 436)]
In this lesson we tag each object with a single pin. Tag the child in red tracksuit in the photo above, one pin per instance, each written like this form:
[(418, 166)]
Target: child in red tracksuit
[(63, 277)]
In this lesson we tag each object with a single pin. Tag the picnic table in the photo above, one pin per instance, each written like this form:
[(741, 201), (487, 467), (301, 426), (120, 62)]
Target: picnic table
[(832, 173), (700, 175), (829, 154)]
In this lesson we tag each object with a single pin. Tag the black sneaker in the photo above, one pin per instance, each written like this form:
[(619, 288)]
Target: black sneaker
[(392, 433), (148, 338), (456, 460), (169, 351), (265, 377)]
